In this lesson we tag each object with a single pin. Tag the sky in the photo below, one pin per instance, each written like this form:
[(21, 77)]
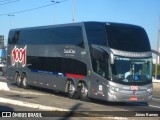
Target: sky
[(145, 13)]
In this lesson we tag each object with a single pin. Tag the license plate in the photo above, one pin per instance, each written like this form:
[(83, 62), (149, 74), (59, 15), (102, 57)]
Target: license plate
[(134, 87), (133, 98)]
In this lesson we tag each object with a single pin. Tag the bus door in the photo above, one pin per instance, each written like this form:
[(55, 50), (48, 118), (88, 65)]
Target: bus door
[(100, 64)]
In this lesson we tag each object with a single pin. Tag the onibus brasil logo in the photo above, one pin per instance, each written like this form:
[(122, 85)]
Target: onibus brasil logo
[(19, 56)]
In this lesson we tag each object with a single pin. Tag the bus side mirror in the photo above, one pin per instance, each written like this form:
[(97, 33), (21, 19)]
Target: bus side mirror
[(111, 58)]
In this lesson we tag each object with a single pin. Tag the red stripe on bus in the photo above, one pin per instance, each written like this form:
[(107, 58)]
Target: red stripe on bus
[(75, 76)]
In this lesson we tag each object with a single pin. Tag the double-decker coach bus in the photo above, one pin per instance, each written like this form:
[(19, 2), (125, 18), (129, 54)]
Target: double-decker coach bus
[(101, 60)]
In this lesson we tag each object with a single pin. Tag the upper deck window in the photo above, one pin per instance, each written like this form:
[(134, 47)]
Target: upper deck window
[(96, 33), (127, 38), (71, 35)]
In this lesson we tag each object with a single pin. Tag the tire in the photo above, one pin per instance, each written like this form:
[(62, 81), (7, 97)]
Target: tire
[(84, 92), (25, 82), (72, 93), (18, 80)]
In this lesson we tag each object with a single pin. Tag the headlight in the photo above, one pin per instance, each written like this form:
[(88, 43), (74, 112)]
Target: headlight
[(116, 89)]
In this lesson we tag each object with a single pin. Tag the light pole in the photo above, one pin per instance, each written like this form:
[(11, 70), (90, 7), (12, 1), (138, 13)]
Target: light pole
[(158, 50), (10, 15), (73, 11), (54, 17)]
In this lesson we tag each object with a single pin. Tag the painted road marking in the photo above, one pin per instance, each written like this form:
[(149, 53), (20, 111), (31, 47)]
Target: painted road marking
[(2, 78), (30, 105), (156, 99), (4, 87), (154, 106), (27, 93)]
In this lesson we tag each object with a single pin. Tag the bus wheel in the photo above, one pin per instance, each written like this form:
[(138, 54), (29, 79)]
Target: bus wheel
[(18, 80), (72, 91), (25, 82), (84, 92)]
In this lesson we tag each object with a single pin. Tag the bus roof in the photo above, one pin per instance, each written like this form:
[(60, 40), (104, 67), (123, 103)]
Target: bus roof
[(78, 23)]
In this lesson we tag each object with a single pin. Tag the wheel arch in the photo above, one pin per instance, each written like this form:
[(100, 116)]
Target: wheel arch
[(82, 81), (17, 72), (24, 73)]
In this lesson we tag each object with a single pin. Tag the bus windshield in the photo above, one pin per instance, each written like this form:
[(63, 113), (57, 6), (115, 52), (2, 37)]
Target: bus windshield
[(131, 71), (127, 38)]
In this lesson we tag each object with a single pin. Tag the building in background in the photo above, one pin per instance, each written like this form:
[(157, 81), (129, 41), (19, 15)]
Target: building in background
[(2, 52), (154, 60), (1, 41)]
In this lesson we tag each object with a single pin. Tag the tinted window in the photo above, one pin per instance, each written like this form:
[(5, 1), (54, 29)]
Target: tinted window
[(96, 33), (74, 67), (13, 37), (59, 35), (100, 62), (57, 64), (125, 38)]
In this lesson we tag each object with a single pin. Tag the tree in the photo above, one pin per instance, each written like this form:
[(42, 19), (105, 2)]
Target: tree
[(158, 69)]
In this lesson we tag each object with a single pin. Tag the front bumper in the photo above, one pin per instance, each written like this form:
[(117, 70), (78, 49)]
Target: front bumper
[(129, 96)]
